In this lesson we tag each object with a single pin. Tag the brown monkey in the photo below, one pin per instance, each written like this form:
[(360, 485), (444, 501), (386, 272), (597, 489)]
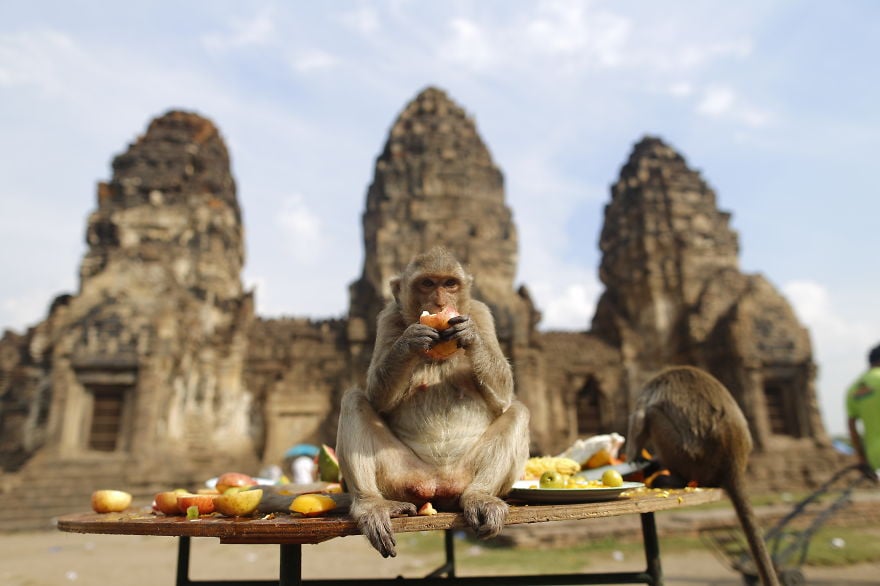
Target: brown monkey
[(446, 431), (699, 432)]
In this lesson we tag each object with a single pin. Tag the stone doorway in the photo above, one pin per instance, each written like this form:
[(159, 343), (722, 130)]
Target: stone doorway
[(589, 409), (108, 418), (782, 417)]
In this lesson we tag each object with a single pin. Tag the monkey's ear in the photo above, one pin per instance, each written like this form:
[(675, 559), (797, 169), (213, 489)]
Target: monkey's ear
[(395, 288)]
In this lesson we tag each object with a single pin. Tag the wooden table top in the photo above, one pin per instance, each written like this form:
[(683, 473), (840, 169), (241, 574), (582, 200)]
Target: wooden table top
[(287, 528)]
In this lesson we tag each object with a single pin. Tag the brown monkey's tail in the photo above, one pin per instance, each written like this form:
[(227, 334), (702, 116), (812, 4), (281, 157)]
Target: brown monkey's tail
[(753, 533)]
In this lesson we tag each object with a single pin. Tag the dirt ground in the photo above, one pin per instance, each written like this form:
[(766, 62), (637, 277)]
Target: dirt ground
[(56, 559)]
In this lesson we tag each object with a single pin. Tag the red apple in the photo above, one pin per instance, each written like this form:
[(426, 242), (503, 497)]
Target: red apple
[(233, 479), (110, 501), (204, 502)]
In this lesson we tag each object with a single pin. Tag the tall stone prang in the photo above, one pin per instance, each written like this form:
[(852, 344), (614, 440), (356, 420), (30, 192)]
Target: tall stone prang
[(662, 242), (675, 295), (435, 183), (145, 362), (171, 202)]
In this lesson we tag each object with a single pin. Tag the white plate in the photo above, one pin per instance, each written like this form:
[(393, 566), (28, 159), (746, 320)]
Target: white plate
[(527, 490)]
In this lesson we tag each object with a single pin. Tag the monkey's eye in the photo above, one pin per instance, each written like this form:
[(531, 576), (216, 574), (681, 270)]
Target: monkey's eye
[(427, 283), (451, 283)]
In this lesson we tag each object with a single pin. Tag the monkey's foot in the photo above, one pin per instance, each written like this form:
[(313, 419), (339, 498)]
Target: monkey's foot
[(484, 513), (374, 521)]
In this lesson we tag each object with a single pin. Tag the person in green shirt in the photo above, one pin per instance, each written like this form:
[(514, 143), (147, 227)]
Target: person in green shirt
[(863, 403)]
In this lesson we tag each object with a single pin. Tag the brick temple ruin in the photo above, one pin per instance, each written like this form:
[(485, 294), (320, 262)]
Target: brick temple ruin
[(158, 373)]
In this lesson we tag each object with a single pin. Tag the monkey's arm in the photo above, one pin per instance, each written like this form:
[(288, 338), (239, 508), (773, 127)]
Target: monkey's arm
[(491, 371), (397, 351)]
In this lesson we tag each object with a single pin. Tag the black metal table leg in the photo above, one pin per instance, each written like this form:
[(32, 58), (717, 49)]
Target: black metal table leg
[(290, 573), (182, 561), (652, 549), (448, 568)]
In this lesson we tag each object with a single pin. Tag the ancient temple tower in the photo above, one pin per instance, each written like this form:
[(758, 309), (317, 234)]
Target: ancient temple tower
[(675, 295), (436, 183), (662, 242), (145, 361)]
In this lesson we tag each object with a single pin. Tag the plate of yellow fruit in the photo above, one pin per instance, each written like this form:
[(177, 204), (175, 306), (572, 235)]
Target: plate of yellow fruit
[(553, 487)]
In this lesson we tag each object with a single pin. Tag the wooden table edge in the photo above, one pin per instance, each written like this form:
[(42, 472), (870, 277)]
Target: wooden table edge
[(285, 528)]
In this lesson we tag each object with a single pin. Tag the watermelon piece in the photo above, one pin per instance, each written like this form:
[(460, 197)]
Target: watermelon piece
[(328, 464)]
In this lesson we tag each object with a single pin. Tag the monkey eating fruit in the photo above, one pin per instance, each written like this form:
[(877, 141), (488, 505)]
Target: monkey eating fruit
[(445, 430), (699, 432)]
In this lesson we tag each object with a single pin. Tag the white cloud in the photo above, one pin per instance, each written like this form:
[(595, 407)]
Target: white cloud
[(716, 101), (723, 102), (312, 60), (254, 32), (46, 59), (566, 29), (302, 230), (469, 45), (364, 20), (570, 307), (681, 89), (695, 56)]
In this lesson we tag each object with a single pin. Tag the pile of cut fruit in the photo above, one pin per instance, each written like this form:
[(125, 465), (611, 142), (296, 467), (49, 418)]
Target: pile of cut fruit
[(234, 495)]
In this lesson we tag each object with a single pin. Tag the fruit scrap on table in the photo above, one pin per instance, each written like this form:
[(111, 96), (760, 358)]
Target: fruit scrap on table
[(238, 503), (312, 504), (204, 503), (427, 509), (110, 501)]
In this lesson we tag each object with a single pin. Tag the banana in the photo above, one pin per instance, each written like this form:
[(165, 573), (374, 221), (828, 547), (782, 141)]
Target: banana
[(538, 465)]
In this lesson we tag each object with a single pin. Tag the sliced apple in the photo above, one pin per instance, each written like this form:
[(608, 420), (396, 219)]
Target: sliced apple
[(110, 501), (238, 503), (166, 502), (204, 502)]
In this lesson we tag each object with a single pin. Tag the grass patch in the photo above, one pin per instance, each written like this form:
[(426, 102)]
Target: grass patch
[(829, 547)]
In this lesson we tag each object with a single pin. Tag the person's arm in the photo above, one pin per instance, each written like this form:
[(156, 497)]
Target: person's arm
[(856, 439)]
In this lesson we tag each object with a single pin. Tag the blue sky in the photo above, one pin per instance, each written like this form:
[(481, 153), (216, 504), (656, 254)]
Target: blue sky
[(774, 102)]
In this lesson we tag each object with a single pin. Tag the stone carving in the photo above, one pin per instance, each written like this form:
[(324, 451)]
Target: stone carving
[(158, 363)]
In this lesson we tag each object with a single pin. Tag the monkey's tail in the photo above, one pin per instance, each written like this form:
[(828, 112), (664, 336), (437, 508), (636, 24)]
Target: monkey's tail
[(754, 534)]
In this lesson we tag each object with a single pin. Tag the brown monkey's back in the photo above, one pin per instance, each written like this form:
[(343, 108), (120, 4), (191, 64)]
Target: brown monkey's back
[(695, 422)]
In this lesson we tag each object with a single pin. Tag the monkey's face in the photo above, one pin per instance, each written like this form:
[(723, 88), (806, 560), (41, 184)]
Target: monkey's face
[(432, 282), (434, 293)]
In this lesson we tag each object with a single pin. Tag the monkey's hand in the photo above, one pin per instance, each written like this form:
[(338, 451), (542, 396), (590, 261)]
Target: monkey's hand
[(484, 513), (417, 338), (374, 520), (462, 330)]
